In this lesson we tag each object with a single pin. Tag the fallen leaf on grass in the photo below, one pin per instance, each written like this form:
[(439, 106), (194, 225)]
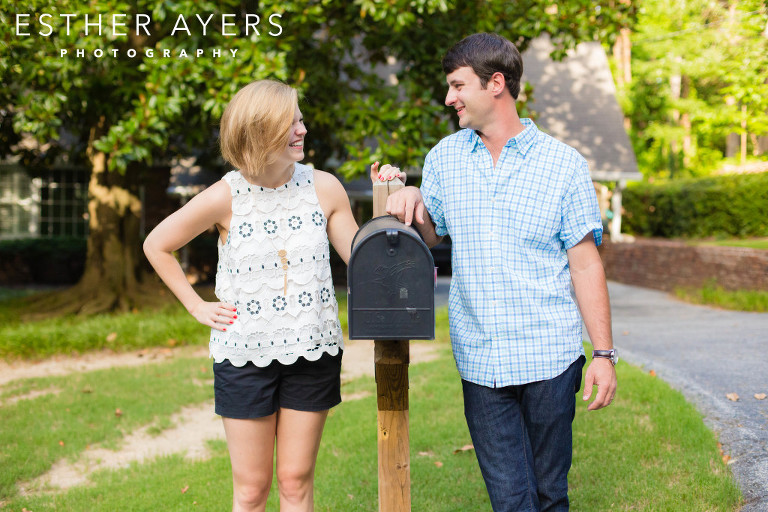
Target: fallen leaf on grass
[(171, 342), (760, 396), (425, 454), (185, 489), (733, 397), (438, 464), (652, 373), (118, 412), (465, 448), (723, 456), (111, 337), (61, 443)]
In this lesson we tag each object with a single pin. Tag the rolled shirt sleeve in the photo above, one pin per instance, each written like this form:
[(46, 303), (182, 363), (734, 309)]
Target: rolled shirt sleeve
[(580, 211), (432, 194)]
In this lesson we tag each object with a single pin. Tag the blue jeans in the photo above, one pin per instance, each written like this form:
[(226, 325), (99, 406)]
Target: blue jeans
[(523, 440)]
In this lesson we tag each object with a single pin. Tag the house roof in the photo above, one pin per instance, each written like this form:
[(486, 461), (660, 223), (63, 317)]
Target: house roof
[(575, 100)]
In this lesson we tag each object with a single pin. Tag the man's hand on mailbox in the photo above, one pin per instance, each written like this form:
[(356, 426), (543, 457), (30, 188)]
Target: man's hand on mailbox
[(407, 205)]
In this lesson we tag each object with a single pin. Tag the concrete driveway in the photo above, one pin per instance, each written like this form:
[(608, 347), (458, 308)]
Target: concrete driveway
[(705, 353)]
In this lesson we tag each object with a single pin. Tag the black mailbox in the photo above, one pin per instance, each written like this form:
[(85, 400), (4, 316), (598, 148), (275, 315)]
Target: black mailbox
[(391, 283)]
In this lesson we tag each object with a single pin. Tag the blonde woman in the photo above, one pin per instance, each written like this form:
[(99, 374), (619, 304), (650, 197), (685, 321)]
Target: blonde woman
[(275, 334)]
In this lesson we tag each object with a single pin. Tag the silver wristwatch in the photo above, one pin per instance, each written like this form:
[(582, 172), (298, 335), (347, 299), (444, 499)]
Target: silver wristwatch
[(612, 355)]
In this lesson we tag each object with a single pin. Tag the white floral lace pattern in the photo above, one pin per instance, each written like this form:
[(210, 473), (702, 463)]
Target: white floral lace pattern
[(275, 268)]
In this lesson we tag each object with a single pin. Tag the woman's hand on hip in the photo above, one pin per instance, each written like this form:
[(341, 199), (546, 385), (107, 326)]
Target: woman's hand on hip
[(217, 315)]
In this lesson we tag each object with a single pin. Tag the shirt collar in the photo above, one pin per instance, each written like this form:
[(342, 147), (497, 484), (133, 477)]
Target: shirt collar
[(521, 142), (525, 139)]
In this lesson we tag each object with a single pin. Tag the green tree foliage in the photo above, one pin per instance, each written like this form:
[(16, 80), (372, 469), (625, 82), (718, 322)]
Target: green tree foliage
[(700, 72), (121, 113), (369, 71), (396, 113)]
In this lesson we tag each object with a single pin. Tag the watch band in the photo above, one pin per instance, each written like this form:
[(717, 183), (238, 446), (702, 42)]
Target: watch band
[(607, 354)]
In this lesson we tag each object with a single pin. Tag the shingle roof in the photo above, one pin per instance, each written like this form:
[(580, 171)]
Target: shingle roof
[(575, 100)]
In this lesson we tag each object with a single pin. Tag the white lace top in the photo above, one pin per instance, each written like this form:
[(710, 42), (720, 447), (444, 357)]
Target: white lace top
[(272, 324)]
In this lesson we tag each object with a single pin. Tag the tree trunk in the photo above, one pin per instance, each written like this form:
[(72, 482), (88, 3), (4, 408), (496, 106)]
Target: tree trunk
[(685, 122), (112, 269), (743, 152), (732, 139), (113, 279), (675, 86), (622, 53)]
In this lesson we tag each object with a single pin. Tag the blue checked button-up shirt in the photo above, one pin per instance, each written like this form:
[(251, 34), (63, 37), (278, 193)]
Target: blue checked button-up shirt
[(512, 317)]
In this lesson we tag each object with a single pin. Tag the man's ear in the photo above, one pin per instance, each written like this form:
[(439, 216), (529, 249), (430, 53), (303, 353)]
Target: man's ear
[(497, 83)]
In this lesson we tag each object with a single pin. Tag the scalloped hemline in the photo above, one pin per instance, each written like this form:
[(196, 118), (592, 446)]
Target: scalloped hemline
[(285, 359)]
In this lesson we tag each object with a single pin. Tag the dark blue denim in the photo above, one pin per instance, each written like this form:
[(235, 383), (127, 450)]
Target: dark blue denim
[(523, 440)]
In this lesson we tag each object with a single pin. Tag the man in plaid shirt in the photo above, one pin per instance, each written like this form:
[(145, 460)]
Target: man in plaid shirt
[(524, 221)]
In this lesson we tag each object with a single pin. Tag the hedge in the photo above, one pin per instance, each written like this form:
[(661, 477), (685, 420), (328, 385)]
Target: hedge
[(55, 261), (61, 260), (720, 206)]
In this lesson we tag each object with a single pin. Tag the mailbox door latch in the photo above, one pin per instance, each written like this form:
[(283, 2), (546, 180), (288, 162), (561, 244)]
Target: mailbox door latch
[(393, 239)]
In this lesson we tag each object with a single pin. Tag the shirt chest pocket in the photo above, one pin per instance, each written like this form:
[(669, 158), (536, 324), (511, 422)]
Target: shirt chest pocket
[(531, 228), (464, 206), (531, 218)]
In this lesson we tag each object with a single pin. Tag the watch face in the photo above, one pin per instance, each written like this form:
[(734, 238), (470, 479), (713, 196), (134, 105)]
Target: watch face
[(614, 357)]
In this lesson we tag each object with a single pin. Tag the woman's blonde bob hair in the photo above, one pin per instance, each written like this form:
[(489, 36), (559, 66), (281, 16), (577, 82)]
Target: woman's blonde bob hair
[(255, 125)]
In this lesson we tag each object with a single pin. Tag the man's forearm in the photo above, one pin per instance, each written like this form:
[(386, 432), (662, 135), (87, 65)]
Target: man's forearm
[(592, 297), (427, 231)]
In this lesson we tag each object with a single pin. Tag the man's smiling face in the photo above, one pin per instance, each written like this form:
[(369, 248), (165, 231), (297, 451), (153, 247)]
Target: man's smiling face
[(472, 101)]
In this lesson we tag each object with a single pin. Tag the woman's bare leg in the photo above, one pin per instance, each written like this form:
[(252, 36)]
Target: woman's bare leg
[(251, 445), (298, 442)]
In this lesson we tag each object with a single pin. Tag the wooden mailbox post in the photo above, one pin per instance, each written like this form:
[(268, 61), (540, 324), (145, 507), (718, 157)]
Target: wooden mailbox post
[(391, 358)]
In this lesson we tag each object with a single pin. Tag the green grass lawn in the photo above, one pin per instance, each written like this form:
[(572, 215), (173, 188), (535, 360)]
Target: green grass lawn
[(713, 295), (753, 243), (648, 451), (71, 334)]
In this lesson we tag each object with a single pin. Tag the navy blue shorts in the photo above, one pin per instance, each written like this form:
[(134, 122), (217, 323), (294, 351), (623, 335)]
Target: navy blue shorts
[(252, 392)]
